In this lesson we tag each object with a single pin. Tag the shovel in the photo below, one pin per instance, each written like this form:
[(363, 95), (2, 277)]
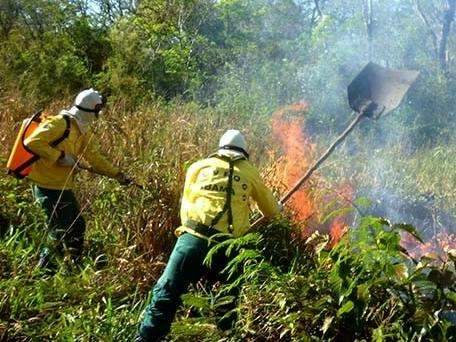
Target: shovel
[(373, 93)]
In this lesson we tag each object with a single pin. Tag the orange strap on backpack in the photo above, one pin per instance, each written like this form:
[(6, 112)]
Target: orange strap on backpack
[(21, 158)]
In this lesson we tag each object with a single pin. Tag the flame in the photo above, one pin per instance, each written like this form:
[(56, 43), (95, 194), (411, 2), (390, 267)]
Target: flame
[(298, 152), (345, 193), (337, 229), (287, 130), (309, 205)]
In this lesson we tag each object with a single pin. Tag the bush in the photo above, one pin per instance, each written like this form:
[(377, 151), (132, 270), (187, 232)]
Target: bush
[(364, 288)]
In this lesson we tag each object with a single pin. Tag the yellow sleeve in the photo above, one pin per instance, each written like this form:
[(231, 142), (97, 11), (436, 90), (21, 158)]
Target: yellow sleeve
[(263, 196), (39, 142), (190, 179), (92, 155)]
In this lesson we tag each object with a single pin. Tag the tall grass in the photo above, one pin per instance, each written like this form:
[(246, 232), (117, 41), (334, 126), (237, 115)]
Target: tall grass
[(130, 232)]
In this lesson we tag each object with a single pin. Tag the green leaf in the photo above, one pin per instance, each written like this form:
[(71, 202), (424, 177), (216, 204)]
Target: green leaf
[(384, 221), (377, 335), (362, 292), (363, 202), (409, 229), (347, 307), (327, 324), (223, 301), (195, 301), (451, 296), (373, 221)]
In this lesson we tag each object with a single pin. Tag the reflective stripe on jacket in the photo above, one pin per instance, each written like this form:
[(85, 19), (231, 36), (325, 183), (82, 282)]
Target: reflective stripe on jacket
[(46, 172), (204, 195)]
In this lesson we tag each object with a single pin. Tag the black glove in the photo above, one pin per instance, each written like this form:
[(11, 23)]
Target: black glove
[(123, 179)]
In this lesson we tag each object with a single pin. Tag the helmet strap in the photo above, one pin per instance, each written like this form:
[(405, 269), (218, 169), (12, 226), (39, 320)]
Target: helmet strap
[(235, 148), (96, 110)]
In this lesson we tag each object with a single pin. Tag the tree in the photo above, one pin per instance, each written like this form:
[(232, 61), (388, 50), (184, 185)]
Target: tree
[(438, 21), (49, 47), (9, 12), (168, 48)]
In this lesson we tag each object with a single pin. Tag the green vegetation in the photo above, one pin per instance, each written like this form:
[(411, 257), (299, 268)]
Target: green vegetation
[(293, 289), (365, 287), (178, 73)]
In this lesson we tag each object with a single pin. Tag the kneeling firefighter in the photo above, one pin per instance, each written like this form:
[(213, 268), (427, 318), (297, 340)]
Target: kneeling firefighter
[(58, 143), (215, 200)]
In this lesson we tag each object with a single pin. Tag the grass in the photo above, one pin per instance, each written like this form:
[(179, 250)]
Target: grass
[(130, 233)]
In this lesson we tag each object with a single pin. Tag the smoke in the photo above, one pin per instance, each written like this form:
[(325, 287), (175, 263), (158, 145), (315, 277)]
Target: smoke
[(293, 51), (311, 56)]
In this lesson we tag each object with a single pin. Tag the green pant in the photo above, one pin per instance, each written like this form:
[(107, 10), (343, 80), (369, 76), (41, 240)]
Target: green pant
[(185, 267), (66, 226)]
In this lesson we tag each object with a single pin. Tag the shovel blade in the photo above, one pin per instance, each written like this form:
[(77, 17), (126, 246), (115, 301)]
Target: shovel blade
[(377, 90)]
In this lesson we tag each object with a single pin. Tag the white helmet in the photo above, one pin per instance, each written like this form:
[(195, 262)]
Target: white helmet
[(87, 106), (89, 100), (234, 140)]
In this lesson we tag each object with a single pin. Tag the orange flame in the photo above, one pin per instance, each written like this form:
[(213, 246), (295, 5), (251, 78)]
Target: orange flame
[(287, 129), (298, 152), (337, 229), (339, 225), (308, 204)]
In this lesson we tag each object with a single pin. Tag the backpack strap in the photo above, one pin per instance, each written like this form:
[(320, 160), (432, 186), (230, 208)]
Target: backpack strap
[(35, 157), (65, 134), (229, 192)]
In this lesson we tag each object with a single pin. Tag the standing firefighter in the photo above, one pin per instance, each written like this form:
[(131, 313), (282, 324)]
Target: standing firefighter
[(54, 170), (215, 200)]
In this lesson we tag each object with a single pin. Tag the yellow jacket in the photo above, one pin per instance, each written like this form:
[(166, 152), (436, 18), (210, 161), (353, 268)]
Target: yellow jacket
[(46, 172), (204, 195)]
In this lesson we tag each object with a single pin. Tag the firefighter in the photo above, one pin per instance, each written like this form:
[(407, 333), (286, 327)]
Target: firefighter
[(215, 200), (53, 174)]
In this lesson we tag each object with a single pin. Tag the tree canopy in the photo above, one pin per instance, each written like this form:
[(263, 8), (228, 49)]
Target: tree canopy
[(248, 56)]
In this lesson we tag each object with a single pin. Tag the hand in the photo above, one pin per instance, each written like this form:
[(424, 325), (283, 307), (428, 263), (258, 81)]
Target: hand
[(66, 160), (122, 179)]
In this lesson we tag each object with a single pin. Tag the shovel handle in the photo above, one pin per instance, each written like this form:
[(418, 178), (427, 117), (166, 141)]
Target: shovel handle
[(325, 156), (316, 164)]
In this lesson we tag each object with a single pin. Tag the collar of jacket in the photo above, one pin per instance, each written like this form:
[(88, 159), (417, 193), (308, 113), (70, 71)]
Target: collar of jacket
[(83, 119)]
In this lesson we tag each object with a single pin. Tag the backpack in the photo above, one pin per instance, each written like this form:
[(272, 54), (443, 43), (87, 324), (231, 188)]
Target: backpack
[(22, 158)]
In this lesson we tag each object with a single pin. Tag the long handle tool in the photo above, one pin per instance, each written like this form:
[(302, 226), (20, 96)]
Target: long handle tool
[(91, 170), (374, 92)]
